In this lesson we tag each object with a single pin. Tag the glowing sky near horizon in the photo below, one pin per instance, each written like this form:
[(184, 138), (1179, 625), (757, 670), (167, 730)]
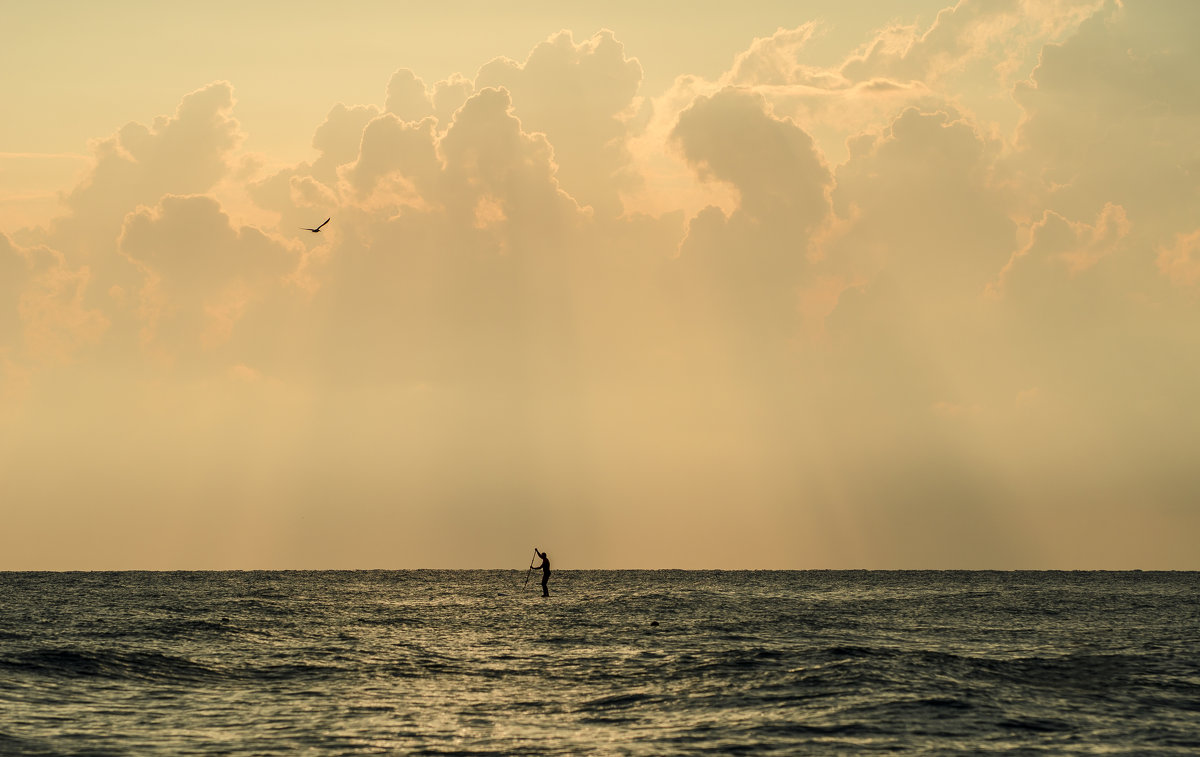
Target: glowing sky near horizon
[(787, 285)]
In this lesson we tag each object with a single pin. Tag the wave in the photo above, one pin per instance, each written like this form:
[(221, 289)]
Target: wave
[(72, 663), (620, 701)]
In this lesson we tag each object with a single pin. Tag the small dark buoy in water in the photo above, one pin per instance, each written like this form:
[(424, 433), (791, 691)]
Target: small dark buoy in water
[(654, 622)]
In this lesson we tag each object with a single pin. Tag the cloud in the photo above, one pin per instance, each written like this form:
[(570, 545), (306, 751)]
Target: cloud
[(1180, 262), (187, 152), (1059, 250), (201, 273), (775, 60), (997, 32), (737, 277), (1072, 283), (922, 204), (184, 153), (583, 97), (338, 138), (189, 240), (449, 95), (30, 184), (407, 97), (405, 152), (731, 137), (1124, 85), (43, 316), (958, 35)]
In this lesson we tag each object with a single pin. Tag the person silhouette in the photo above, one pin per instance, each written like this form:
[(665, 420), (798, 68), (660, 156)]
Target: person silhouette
[(545, 566)]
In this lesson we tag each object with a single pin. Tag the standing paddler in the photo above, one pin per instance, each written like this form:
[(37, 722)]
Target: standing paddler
[(545, 566)]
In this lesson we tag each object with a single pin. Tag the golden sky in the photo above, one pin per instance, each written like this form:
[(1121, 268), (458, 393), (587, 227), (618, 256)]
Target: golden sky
[(778, 285)]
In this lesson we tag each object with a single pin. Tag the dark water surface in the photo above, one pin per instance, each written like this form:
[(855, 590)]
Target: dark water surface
[(465, 662)]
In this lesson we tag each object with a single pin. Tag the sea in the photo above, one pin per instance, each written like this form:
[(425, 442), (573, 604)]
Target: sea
[(432, 662)]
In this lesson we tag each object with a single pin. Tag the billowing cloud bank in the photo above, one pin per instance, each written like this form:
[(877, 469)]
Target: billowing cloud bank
[(933, 307)]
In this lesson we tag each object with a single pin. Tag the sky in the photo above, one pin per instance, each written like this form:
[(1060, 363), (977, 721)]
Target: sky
[(793, 285)]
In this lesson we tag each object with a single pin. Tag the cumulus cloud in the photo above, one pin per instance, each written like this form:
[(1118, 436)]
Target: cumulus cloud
[(184, 153), (403, 152), (776, 60), (201, 274), (407, 97), (1060, 250), (584, 98), (921, 202), (337, 140), (1124, 85), (958, 35), (743, 271), (998, 33), (771, 162)]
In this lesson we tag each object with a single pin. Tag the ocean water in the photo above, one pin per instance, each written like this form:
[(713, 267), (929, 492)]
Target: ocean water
[(613, 663)]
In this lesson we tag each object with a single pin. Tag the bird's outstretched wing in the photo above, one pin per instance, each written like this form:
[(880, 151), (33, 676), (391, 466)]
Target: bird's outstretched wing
[(316, 229)]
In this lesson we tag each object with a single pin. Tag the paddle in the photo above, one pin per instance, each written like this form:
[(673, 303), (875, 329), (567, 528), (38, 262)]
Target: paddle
[(530, 569)]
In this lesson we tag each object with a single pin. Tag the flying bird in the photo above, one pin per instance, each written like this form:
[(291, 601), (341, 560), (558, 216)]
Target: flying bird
[(316, 229)]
